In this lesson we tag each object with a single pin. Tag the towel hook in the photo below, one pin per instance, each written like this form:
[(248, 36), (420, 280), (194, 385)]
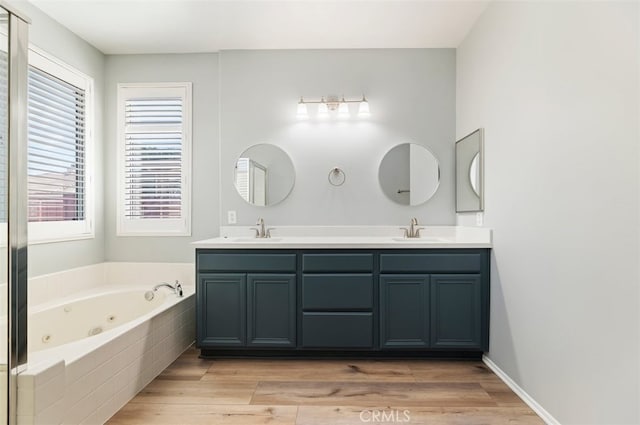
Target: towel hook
[(337, 177)]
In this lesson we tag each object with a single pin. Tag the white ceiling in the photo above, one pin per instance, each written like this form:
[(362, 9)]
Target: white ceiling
[(181, 26)]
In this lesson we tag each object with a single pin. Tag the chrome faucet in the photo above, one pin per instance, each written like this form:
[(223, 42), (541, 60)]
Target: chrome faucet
[(177, 288), (260, 230), (413, 231)]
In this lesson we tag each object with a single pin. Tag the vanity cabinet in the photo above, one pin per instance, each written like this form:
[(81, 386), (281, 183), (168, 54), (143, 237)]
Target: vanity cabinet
[(337, 303), (343, 300), (246, 301), (434, 299)]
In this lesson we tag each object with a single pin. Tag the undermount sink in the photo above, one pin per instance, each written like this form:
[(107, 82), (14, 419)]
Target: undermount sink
[(250, 239), (422, 239)]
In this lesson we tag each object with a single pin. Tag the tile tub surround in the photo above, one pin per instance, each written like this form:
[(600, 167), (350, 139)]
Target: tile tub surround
[(350, 237), (87, 381)]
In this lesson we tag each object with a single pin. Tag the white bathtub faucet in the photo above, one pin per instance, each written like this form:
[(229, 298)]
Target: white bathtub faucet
[(177, 288)]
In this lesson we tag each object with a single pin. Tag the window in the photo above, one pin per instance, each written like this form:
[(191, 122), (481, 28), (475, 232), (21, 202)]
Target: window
[(58, 156), (154, 155)]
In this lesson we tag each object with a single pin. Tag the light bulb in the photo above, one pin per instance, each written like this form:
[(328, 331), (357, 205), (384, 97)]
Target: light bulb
[(363, 108), (302, 113), (323, 109), (343, 109)]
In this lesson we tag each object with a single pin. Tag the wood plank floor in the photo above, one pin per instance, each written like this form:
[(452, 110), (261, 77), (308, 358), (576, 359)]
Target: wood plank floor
[(325, 392)]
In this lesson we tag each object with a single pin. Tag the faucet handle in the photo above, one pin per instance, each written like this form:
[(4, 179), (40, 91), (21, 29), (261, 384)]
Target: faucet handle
[(268, 232), (405, 233), (417, 231), (178, 288), (257, 231)]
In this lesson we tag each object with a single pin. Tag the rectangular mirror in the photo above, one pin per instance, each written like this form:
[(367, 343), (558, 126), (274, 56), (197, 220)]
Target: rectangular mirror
[(470, 172)]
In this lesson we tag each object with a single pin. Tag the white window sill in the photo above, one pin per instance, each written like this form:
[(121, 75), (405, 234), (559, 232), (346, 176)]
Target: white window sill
[(61, 239), (153, 234)]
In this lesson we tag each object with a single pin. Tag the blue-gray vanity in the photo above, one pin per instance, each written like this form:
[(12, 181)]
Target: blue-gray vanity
[(283, 301)]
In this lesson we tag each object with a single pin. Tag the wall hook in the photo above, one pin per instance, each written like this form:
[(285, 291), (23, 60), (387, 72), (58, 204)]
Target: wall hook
[(337, 177)]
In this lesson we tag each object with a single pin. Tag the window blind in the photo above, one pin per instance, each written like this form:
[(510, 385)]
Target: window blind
[(153, 186), (56, 148)]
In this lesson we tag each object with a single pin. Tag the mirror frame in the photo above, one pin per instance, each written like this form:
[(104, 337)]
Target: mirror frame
[(293, 168), (480, 208)]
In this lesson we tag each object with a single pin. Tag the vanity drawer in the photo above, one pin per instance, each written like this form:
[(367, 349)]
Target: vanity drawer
[(245, 262), (431, 262), (337, 292), (337, 330), (332, 263)]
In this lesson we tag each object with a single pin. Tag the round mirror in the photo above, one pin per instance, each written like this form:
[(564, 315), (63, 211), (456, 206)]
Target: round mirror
[(474, 174), (409, 174), (264, 175)]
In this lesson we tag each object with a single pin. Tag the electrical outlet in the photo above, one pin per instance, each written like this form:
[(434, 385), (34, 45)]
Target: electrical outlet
[(231, 217), (479, 219)]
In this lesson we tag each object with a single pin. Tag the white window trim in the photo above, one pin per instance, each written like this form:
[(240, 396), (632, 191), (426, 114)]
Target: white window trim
[(155, 227), (59, 231)]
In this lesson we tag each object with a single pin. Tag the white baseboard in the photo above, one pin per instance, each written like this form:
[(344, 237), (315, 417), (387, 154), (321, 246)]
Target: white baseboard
[(539, 410)]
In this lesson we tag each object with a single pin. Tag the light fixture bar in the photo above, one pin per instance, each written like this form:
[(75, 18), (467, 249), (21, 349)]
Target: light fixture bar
[(333, 103)]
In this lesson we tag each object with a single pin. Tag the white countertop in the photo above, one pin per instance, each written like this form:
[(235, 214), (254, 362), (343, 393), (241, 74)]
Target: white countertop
[(366, 237)]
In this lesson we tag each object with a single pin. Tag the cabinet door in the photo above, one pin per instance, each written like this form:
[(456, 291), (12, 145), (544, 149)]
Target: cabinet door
[(404, 311), (456, 316), (271, 310), (222, 307)]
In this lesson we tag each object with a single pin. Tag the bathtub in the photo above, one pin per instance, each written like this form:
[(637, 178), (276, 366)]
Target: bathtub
[(76, 318), (91, 353)]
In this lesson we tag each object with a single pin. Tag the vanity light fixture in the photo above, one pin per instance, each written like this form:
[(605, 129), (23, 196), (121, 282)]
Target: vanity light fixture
[(323, 109), (331, 104), (343, 109), (302, 113), (363, 108)]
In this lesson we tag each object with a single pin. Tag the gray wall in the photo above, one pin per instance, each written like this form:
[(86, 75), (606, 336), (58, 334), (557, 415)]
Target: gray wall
[(61, 43), (412, 97), (258, 95), (555, 84), (202, 71), (262, 88)]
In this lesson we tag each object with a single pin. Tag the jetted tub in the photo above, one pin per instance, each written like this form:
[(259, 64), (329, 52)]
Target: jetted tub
[(72, 320), (88, 356)]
